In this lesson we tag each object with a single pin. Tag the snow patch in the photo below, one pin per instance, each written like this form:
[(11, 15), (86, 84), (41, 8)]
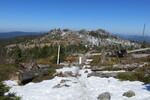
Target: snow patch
[(113, 71), (66, 69), (63, 33), (11, 83), (81, 88)]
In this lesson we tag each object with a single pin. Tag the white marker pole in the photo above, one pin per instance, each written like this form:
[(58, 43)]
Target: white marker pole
[(80, 60), (58, 54)]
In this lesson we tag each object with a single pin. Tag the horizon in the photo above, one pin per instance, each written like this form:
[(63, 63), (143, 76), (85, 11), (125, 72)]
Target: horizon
[(42, 32), (114, 16)]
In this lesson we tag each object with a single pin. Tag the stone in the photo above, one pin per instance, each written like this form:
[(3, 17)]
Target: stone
[(129, 94), (26, 77), (60, 86), (66, 85), (43, 65), (68, 74), (100, 74), (57, 86), (104, 96), (86, 71), (63, 81)]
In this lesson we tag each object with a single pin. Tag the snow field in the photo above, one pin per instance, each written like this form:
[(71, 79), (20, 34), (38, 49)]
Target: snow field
[(80, 88)]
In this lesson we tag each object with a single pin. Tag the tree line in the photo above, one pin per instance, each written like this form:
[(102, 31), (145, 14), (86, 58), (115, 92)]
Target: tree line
[(36, 52)]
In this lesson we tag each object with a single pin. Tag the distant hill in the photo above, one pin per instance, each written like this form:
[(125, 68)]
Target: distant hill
[(6, 35), (137, 38), (95, 38)]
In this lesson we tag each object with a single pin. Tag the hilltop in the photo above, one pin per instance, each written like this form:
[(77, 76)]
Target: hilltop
[(67, 37)]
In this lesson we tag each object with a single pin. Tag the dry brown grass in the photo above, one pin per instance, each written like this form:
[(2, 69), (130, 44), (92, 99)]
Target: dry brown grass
[(22, 46), (44, 60), (67, 41), (96, 61), (8, 72), (14, 76), (71, 59)]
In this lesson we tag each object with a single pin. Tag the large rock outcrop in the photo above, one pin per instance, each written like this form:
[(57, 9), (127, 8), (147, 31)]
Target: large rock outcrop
[(26, 77)]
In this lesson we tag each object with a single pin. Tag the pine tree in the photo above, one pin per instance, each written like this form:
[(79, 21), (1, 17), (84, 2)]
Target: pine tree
[(18, 55)]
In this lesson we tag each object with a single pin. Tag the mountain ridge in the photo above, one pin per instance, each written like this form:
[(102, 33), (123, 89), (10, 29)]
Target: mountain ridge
[(66, 37), (138, 38), (6, 35)]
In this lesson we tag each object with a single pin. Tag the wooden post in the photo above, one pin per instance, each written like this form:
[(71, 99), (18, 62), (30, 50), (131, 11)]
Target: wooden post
[(103, 56), (58, 55)]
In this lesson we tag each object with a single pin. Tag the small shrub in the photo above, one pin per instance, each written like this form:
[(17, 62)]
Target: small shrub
[(96, 60), (3, 89), (10, 96), (52, 73), (114, 59), (146, 59), (140, 74), (44, 60), (86, 71), (6, 71), (129, 69), (143, 75), (143, 69), (71, 59), (124, 76), (147, 79), (108, 64)]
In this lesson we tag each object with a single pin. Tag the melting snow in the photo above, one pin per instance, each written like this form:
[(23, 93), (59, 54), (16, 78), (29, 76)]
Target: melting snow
[(11, 83), (113, 71), (80, 88), (64, 69), (64, 33)]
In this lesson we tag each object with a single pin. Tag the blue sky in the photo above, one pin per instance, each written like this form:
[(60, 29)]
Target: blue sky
[(115, 16)]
